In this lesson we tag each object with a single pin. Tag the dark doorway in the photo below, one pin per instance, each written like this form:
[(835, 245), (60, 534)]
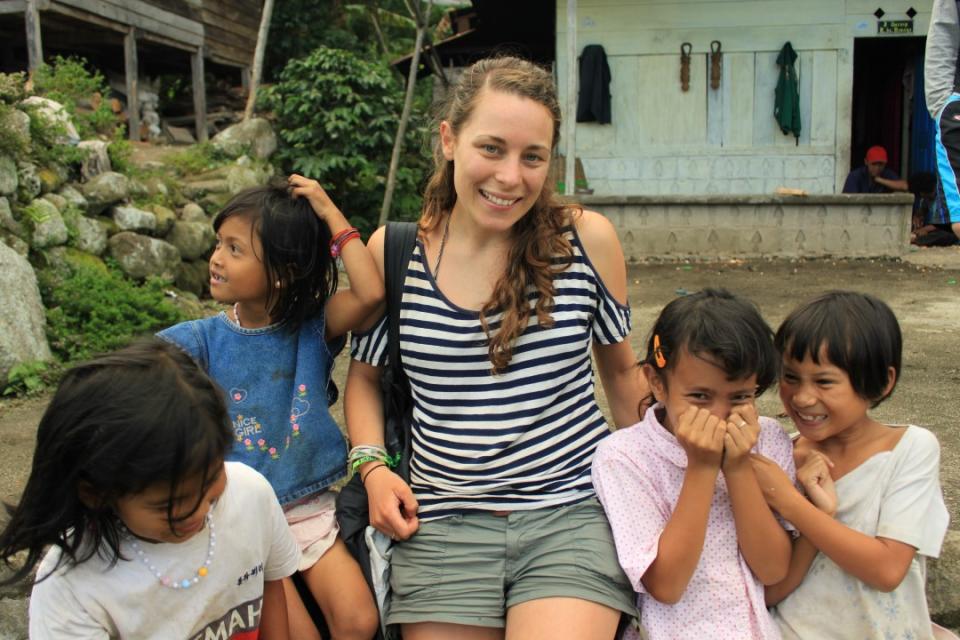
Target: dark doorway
[(888, 102)]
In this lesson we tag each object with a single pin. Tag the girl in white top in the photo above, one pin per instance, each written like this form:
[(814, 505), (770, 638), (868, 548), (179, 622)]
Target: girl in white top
[(150, 534), (875, 510)]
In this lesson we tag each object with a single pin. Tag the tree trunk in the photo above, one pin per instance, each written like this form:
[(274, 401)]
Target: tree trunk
[(258, 57), (422, 19)]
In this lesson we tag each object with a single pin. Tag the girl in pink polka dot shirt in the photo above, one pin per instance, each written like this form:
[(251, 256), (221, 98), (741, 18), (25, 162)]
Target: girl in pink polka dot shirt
[(693, 532)]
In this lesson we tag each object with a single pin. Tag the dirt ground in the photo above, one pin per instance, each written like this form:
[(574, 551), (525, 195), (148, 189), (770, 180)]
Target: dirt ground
[(922, 289)]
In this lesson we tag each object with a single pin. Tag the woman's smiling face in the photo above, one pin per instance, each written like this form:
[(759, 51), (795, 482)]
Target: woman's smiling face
[(501, 158)]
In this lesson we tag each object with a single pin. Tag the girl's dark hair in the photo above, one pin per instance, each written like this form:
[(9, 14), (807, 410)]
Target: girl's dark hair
[(295, 251), (129, 420), (860, 333), (725, 328)]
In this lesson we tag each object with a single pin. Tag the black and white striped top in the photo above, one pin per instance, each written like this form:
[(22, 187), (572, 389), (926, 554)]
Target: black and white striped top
[(523, 439)]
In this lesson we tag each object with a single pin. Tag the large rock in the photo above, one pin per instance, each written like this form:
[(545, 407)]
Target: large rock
[(22, 323), (9, 180), (97, 160), (254, 136), (8, 222), (29, 186), (192, 239), (165, 219), (192, 212), (56, 200), (104, 190), (74, 197), (91, 237), (133, 219), (48, 227), (193, 277), (243, 177), (943, 582), (141, 257), (55, 113), (50, 179), (17, 123)]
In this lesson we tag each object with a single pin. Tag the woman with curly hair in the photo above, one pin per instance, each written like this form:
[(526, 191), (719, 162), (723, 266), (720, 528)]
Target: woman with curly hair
[(507, 294)]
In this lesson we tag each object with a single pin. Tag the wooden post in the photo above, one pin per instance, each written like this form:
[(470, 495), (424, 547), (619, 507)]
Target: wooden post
[(570, 110), (31, 14), (258, 57), (422, 17), (199, 94), (132, 71)]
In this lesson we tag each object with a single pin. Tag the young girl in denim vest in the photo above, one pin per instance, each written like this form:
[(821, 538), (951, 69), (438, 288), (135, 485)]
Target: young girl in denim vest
[(143, 529), (874, 509), (272, 352), (693, 532)]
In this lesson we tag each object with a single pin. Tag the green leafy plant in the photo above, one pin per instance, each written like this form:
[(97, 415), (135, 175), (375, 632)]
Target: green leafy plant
[(70, 82), (197, 159), (97, 310), (12, 87), (336, 118), (27, 378)]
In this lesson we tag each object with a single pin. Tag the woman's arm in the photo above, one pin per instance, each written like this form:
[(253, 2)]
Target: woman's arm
[(273, 617), (392, 505), (347, 308), (623, 383)]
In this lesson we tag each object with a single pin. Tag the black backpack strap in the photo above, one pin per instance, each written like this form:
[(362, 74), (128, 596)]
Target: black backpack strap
[(397, 250)]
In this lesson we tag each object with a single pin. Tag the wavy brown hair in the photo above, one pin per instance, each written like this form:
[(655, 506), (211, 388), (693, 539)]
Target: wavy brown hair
[(540, 248)]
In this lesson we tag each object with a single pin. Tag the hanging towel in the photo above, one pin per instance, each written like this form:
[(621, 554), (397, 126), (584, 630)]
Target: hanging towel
[(593, 104), (786, 102)]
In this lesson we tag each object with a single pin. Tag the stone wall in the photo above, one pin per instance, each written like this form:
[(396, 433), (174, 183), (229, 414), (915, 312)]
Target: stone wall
[(710, 227)]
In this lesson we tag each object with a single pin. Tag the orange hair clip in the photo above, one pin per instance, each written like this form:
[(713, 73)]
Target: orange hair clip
[(658, 352)]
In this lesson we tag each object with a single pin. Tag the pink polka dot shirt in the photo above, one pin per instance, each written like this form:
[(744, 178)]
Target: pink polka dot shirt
[(638, 473)]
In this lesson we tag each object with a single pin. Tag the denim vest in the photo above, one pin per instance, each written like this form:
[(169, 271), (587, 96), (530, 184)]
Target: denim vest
[(276, 392)]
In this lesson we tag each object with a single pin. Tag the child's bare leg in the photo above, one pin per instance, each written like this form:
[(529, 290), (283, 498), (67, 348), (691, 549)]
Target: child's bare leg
[(298, 618), (338, 586)]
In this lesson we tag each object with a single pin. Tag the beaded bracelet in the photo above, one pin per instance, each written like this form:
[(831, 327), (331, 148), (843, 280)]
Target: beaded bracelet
[(363, 476)]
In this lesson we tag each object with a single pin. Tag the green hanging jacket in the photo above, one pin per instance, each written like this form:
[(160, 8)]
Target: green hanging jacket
[(786, 102)]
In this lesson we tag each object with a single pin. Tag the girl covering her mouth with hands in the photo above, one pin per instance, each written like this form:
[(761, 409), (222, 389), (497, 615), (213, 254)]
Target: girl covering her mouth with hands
[(693, 531)]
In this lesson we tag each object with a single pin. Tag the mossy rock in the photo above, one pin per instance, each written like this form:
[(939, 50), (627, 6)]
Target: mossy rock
[(55, 265), (50, 180)]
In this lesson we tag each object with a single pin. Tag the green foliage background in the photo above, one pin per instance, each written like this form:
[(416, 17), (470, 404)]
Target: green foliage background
[(336, 117)]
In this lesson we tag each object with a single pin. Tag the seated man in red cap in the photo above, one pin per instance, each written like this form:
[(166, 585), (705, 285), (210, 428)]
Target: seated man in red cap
[(874, 176)]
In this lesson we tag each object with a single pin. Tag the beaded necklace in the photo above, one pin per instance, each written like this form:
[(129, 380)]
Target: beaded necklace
[(167, 581)]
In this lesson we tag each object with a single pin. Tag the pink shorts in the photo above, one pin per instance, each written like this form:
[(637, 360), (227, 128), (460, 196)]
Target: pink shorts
[(313, 523)]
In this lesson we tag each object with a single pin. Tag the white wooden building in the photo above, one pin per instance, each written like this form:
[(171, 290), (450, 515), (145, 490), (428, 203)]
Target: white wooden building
[(663, 141)]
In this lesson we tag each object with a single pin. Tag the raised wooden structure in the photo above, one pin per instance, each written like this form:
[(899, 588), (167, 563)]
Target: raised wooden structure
[(221, 31)]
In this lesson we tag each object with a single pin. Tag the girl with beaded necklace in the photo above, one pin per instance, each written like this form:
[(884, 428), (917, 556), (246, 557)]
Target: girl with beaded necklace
[(272, 351), (151, 533)]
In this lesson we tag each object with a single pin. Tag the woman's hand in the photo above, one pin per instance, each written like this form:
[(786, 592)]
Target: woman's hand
[(393, 509), (321, 203), (701, 435), (743, 430), (776, 485), (814, 476)]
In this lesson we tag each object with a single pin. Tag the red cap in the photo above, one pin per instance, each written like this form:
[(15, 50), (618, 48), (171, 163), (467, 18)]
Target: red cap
[(876, 154)]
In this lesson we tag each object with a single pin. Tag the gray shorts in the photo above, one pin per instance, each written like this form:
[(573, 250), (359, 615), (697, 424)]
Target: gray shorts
[(470, 568)]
